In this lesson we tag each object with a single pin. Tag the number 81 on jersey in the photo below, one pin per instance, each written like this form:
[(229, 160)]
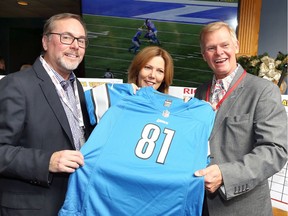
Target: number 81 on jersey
[(147, 143)]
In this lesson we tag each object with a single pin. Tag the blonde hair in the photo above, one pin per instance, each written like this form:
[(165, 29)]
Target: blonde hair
[(211, 27), (144, 56)]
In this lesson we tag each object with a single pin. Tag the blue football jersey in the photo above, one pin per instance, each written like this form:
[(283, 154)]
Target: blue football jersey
[(141, 159), (137, 36)]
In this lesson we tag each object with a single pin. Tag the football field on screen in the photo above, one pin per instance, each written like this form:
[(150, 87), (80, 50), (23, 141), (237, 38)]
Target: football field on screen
[(110, 38), (111, 28)]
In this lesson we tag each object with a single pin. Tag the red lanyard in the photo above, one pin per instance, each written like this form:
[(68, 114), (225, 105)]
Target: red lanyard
[(228, 92)]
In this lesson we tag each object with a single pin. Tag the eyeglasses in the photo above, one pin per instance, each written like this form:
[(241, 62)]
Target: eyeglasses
[(68, 39)]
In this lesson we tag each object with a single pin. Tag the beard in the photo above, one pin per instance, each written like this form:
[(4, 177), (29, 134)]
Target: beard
[(69, 65)]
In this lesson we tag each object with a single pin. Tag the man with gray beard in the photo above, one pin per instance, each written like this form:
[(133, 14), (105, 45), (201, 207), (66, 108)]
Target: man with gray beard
[(43, 123)]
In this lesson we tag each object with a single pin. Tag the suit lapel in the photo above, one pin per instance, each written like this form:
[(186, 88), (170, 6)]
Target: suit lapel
[(228, 104), (52, 97)]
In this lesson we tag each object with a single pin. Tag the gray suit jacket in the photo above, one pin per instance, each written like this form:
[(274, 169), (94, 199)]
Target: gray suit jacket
[(248, 142), (33, 125)]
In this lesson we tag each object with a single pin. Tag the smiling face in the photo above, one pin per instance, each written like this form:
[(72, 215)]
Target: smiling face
[(219, 50), (61, 57), (152, 74)]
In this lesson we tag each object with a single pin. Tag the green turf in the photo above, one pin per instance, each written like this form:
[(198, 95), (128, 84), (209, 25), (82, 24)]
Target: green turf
[(109, 49)]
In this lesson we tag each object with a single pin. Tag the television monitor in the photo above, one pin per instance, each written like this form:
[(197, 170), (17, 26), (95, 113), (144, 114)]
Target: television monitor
[(112, 24)]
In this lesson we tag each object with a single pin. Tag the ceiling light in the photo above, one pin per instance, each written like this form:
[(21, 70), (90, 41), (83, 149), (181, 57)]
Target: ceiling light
[(22, 3)]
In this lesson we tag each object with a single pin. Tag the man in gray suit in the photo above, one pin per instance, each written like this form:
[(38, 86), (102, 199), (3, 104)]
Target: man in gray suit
[(249, 138), (42, 124)]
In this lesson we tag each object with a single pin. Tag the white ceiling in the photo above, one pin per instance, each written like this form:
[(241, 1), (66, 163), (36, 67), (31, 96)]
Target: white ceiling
[(38, 8)]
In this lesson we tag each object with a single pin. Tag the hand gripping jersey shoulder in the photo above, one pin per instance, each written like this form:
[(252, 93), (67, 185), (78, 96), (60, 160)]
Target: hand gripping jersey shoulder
[(141, 157)]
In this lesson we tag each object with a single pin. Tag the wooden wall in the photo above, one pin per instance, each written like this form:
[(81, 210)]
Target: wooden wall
[(248, 26)]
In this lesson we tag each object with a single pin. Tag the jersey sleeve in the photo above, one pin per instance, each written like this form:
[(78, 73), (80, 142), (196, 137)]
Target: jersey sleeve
[(100, 98)]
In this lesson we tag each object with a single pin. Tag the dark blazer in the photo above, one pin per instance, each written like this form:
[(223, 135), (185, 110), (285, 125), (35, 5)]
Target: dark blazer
[(33, 125), (248, 142)]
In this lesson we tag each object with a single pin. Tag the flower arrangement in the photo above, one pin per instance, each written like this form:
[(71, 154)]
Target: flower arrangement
[(266, 67)]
